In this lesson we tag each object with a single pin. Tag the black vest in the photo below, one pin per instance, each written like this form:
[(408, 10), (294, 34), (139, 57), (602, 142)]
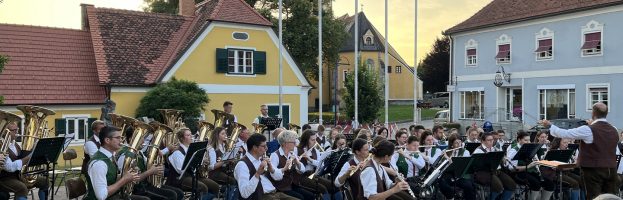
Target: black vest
[(173, 174), (14, 156), (259, 190), (87, 158)]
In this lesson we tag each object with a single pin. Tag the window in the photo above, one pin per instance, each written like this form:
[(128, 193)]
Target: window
[(513, 104), (344, 74), (389, 69), (592, 44), (556, 104), (398, 69), (239, 61), (544, 50), (368, 41), (504, 53), (471, 57), (240, 36), (597, 93), (78, 126), (472, 105)]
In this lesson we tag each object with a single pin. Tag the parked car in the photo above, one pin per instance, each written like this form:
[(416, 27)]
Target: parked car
[(442, 117), (439, 99), (423, 104)]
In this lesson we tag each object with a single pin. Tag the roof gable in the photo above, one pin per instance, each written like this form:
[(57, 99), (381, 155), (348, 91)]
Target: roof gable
[(237, 11), (500, 12)]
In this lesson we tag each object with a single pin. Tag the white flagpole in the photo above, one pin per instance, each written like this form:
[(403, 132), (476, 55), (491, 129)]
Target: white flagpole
[(320, 60), (280, 66), (386, 69), (415, 63), (356, 63)]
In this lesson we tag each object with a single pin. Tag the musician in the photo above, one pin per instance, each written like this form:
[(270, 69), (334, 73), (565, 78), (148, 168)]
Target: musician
[(500, 139), (597, 158), (541, 138), (228, 106), (241, 145), (263, 114), (143, 188), (206, 187), (375, 180), (274, 144), (572, 180), (382, 132), (13, 163), (220, 161), (102, 179), (431, 152), (320, 137), (500, 182), (472, 135), (311, 157), (447, 181), (92, 144), (416, 130), (285, 160), (527, 172), (360, 150), (439, 136), (4, 194), (332, 136), (251, 175), (305, 127), (409, 161), (619, 150)]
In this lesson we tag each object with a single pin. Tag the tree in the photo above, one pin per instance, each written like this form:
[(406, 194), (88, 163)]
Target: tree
[(300, 29), (434, 69), (370, 97), (175, 94), (3, 61)]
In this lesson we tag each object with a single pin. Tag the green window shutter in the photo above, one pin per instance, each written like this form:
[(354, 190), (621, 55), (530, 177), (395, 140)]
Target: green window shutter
[(221, 61), (89, 132), (60, 126), (259, 62)]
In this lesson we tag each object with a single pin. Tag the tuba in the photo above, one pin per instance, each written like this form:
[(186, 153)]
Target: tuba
[(233, 138), (205, 128), (138, 136), (220, 117), (260, 128), (6, 118), (172, 118), (36, 127), (294, 127), (153, 153)]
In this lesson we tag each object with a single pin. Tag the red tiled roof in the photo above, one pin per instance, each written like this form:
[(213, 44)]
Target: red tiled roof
[(237, 11), (500, 12), (48, 66)]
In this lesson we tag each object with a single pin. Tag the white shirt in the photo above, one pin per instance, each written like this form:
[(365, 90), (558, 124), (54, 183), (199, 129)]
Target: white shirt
[(477, 151), (90, 147), (12, 165), (274, 160), (241, 172), (432, 158), (311, 163), (343, 171), (97, 172), (177, 159), (368, 179), (510, 153), (235, 119), (411, 162), (620, 169), (579, 133), (472, 141)]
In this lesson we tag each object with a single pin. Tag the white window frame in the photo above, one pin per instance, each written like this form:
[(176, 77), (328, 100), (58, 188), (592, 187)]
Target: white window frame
[(368, 34), (236, 59), (502, 40), (398, 69), (556, 87), (471, 44), (589, 97), (592, 27), (77, 117), (544, 34), (462, 104)]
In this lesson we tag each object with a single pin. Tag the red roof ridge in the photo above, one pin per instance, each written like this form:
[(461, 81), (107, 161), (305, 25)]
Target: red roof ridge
[(217, 10), (256, 13)]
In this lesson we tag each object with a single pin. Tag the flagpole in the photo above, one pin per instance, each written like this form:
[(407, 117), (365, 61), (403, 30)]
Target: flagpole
[(356, 63), (280, 65), (320, 60), (386, 69), (415, 117)]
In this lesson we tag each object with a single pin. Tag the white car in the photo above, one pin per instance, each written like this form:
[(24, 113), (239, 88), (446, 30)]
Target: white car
[(442, 117)]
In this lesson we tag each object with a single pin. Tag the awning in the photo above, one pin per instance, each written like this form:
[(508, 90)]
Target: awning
[(591, 44), (503, 54), (471, 52), (544, 45)]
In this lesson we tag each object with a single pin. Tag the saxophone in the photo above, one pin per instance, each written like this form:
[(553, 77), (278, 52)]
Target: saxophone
[(154, 158), (6, 118), (36, 128)]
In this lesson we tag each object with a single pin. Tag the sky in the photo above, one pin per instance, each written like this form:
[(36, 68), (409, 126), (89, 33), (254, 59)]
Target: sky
[(435, 16)]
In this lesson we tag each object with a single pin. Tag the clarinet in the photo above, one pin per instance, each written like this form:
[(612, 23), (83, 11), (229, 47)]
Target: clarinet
[(401, 178)]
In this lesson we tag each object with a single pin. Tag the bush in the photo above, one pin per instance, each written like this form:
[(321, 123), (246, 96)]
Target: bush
[(327, 118)]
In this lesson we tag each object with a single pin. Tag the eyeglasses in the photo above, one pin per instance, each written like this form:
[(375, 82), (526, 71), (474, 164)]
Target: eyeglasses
[(119, 137)]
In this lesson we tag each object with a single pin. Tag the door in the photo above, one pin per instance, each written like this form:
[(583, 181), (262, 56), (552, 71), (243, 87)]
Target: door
[(514, 109)]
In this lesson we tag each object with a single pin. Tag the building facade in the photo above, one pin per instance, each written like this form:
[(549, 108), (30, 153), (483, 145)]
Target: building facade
[(514, 64)]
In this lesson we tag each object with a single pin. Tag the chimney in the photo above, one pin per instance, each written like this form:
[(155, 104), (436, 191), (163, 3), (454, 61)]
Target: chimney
[(84, 17), (187, 7)]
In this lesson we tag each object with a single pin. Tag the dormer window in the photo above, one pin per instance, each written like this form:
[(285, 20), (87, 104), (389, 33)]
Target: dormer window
[(368, 38), (592, 44), (504, 53), (368, 41)]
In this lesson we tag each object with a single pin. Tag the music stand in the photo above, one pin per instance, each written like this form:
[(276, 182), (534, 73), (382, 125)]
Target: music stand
[(527, 151), (560, 156), (471, 146), (46, 152), (196, 151), (506, 145), (459, 166), (271, 124), (573, 147)]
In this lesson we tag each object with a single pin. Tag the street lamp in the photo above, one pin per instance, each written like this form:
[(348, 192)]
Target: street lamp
[(501, 76)]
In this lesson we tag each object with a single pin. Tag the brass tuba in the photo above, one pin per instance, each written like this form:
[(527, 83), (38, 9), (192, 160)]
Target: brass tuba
[(205, 129), (141, 129), (153, 153), (36, 128), (220, 117), (259, 128), (294, 127), (172, 118), (6, 118), (233, 138)]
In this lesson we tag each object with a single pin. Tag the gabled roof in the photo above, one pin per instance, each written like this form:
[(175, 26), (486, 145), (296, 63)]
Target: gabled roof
[(48, 66), (500, 12), (379, 41)]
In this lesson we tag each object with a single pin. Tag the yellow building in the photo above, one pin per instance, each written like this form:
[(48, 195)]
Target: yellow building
[(372, 55), (224, 46)]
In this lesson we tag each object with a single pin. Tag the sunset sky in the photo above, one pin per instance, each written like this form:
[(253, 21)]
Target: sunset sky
[(435, 16)]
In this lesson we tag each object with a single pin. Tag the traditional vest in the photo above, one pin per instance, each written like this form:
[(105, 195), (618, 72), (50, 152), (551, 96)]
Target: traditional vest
[(380, 181), (305, 161), (259, 190), (289, 177), (111, 174), (355, 182), (173, 174), (600, 153), (219, 154), (87, 158), (14, 156), (321, 141)]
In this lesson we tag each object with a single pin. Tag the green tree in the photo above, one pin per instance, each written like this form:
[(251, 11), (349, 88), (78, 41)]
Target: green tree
[(3, 61), (370, 97), (175, 94), (434, 69)]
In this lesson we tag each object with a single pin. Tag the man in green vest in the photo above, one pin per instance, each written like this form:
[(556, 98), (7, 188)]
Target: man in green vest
[(102, 180)]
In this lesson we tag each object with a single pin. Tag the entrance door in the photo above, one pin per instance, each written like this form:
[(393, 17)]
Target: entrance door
[(513, 104)]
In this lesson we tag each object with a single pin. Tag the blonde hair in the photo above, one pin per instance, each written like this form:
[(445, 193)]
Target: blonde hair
[(286, 136)]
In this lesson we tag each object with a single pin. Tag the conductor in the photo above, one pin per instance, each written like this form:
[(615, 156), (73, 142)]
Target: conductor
[(597, 158)]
